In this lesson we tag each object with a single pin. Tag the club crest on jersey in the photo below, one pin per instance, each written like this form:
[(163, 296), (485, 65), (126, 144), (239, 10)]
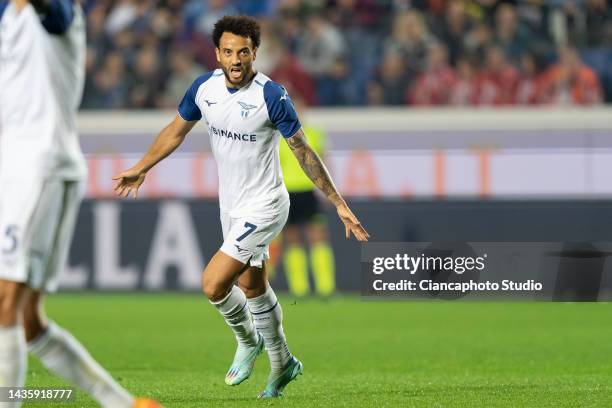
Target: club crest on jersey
[(245, 108)]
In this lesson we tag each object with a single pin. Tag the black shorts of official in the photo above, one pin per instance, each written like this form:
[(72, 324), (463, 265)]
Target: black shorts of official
[(304, 207)]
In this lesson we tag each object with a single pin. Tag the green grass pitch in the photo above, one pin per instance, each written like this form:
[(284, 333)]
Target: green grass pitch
[(176, 348)]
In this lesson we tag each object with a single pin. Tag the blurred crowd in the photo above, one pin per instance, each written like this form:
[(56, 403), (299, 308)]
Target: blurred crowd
[(144, 54)]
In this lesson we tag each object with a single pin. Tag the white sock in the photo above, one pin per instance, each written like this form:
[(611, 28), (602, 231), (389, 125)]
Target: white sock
[(13, 360), (61, 353), (268, 318), (238, 318)]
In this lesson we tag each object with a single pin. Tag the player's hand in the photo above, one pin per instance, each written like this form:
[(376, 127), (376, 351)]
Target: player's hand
[(129, 182), (351, 223)]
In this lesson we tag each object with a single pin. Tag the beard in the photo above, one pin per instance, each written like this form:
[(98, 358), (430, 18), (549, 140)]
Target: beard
[(240, 80)]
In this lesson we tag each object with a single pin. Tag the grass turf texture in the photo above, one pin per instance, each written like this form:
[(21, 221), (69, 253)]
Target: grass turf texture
[(176, 348)]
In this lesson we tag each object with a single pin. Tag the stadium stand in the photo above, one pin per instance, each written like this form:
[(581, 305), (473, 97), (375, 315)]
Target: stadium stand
[(144, 54)]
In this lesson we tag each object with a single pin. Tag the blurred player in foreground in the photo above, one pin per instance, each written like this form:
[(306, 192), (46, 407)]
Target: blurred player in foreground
[(306, 216), (42, 58), (245, 112)]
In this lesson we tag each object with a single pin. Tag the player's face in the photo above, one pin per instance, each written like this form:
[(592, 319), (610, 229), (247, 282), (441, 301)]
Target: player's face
[(235, 56)]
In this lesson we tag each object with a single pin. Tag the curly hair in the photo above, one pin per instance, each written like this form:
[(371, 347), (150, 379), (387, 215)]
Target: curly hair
[(243, 26)]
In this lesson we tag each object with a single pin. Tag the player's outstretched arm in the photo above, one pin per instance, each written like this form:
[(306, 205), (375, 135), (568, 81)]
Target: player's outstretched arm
[(166, 142), (315, 169)]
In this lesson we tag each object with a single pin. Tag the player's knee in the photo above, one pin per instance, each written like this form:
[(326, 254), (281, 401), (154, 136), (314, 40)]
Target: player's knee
[(214, 290), (11, 303), (253, 289), (253, 282)]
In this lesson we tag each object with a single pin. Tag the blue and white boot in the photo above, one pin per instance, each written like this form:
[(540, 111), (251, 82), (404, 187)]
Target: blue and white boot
[(243, 363), (277, 383)]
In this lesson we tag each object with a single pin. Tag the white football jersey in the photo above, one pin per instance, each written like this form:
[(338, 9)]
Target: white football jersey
[(244, 125), (42, 71)]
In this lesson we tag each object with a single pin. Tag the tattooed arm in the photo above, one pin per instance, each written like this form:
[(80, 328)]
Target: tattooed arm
[(317, 172)]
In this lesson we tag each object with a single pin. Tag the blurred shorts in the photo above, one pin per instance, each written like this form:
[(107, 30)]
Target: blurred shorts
[(247, 239), (37, 220), (304, 207)]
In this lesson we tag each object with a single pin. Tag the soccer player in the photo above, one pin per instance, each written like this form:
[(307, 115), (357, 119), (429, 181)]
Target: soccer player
[(245, 113), (42, 58)]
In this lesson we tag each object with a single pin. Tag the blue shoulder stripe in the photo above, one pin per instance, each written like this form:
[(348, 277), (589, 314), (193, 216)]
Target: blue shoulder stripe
[(280, 109), (188, 108)]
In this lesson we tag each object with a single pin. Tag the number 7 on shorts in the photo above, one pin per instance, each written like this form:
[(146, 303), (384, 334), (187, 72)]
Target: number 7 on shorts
[(250, 228)]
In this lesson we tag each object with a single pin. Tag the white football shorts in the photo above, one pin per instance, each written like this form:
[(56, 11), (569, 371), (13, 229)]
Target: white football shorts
[(37, 220), (247, 239)]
